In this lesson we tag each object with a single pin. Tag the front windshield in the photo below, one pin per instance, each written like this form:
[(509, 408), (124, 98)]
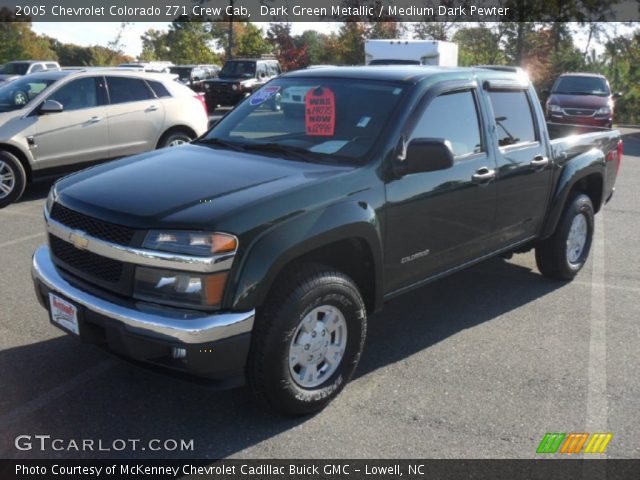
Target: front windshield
[(19, 93), (244, 69), (17, 68), (313, 119), (582, 86)]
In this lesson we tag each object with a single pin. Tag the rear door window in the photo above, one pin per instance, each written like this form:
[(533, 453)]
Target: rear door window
[(159, 89), (127, 89), (513, 117)]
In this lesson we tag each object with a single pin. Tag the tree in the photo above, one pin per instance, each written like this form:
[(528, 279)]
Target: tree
[(478, 46), (188, 41), (252, 42), (291, 54), (19, 42), (154, 45)]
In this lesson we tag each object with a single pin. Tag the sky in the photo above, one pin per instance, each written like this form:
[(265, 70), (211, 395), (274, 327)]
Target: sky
[(100, 33)]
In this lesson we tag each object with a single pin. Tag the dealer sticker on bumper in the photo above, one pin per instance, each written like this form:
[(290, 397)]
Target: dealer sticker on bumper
[(64, 314)]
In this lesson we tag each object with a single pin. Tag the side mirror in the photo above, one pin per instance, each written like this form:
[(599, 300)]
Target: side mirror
[(195, 79), (50, 106), (617, 95), (425, 155)]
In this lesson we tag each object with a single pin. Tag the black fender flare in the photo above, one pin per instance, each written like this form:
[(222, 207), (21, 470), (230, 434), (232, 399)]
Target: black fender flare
[(276, 248), (584, 165)]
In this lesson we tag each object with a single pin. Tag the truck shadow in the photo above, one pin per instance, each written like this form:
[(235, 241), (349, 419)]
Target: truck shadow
[(430, 314), (62, 388)]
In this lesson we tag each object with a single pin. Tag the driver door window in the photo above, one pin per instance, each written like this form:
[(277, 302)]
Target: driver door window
[(453, 117), (77, 95)]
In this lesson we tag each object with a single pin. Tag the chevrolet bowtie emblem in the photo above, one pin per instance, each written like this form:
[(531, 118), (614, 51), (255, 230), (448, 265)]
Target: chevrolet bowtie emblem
[(79, 240)]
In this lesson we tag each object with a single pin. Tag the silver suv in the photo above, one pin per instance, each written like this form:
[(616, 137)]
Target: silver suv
[(51, 122)]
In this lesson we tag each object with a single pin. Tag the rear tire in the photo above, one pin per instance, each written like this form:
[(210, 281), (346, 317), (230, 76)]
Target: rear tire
[(563, 255), (307, 341), (174, 139), (13, 179)]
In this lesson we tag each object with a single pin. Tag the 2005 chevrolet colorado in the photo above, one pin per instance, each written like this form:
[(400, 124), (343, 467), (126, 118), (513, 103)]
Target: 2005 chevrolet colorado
[(258, 250)]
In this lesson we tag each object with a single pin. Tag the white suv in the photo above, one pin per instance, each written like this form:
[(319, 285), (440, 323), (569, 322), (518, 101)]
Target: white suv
[(12, 70), (55, 121)]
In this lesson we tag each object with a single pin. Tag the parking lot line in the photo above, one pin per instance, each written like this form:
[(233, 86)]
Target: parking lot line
[(597, 405), (21, 239), (47, 397)]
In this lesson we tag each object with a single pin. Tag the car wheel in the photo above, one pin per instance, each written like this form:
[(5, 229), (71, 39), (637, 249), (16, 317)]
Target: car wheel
[(20, 98), (13, 179), (562, 255), (174, 139), (307, 341), (276, 103)]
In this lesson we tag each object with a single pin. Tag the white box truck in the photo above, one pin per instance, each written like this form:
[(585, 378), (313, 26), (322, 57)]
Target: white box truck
[(410, 52)]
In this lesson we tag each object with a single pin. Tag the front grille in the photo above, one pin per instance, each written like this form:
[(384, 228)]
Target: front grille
[(579, 112), (85, 262), (94, 227)]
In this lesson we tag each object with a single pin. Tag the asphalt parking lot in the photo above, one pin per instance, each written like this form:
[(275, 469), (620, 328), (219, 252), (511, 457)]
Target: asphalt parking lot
[(479, 365)]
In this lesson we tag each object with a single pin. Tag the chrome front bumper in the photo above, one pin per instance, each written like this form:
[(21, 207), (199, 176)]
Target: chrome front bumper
[(144, 319)]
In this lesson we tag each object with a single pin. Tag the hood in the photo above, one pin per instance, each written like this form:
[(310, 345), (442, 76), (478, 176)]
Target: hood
[(191, 186), (579, 101), (231, 80)]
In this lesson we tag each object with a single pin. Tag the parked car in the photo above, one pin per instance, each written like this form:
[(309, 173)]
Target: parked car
[(581, 99), (193, 75), (158, 67), (278, 236), (13, 70), (238, 79), (58, 120)]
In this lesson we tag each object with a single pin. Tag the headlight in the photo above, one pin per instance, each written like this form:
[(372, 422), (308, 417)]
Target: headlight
[(554, 108), (234, 87), (603, 111), (51, 199), (179, 289), (200, 244)]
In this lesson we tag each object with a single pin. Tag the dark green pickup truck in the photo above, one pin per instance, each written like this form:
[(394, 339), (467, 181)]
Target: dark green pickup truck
[(257, 252)]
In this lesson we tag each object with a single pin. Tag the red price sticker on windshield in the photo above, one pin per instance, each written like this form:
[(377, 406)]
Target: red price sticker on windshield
[(320, 112)]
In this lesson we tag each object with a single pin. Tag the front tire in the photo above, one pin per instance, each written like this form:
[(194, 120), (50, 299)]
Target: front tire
[(13, 179), (563, 255), (307, 341)]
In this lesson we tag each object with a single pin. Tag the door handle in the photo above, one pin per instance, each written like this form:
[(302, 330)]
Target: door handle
[(152, 108), (539, 162), (483, 176), (95, 119)]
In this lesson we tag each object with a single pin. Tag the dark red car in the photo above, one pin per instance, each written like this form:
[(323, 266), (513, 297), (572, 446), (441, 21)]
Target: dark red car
[(581, 99)]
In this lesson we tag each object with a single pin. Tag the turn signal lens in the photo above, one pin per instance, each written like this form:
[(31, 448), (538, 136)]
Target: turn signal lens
[(214, 288)]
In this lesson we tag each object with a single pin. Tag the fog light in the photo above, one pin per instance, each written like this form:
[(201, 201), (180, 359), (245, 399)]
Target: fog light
[(178, 353)]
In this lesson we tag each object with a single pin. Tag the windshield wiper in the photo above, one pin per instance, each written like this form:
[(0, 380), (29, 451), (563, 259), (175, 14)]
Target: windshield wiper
[(222, 143), (298, 152)]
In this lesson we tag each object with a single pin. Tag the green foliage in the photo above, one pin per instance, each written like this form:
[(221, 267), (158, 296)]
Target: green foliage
[(478, 46), (19, 42), (252, 42)]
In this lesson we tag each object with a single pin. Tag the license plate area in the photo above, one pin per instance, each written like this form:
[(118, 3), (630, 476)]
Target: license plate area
[(64, 314)]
